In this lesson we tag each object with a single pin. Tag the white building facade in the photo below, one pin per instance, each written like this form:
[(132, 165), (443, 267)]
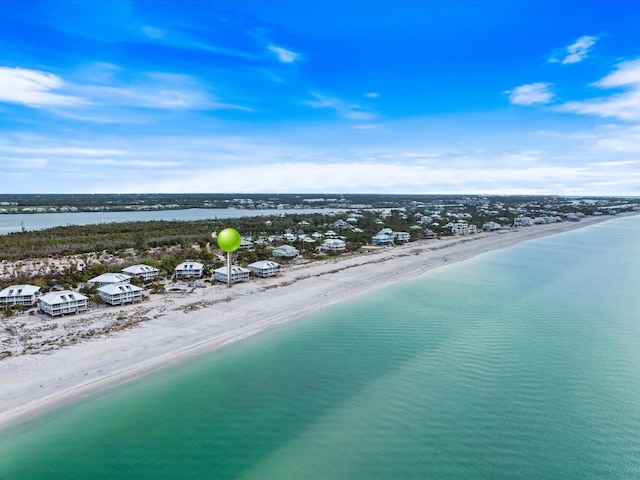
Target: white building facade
[(117, 294), (334, 245), (25, 295), (285, 251), (401, 236), (189, 269), (238, 274), (265, 268), (145, 272), (460, 228), (60, 303)]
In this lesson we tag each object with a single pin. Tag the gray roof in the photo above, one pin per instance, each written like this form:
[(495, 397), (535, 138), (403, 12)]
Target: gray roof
[(113, 289), (19, 290), (264, 264), (110, 278), (136, 269), (63, 296)]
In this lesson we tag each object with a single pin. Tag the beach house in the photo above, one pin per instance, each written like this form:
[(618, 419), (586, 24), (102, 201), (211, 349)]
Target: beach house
[(382, 239), (340, 224), (117, 294), (522, 221), (491, 226), (265, 268), (459, 228), (65, 301), (109, 278), (334, 245), (245, 244), (285, 251), (25, 295), (142, 271), (238, 274), (189, 269), (401, 236)]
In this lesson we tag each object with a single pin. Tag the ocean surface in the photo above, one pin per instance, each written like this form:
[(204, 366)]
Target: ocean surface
[(522, 363)]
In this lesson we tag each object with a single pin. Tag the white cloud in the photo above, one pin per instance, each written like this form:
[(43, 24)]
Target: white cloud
[(372, 95), (70, 151), (149, 90), (33, 88), (530, 94), (626, 74), (599, 161), (574, 53), (343, 109), (386, 177), (178, 39), (624, 106), (153, 32), (130, 163), (99, 95), (284, 55)]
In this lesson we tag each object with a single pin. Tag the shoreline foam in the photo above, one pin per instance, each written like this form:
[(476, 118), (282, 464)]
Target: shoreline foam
[(188, 325)]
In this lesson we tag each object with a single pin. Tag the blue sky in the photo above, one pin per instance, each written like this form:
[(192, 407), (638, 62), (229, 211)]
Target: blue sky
[(497, 97)]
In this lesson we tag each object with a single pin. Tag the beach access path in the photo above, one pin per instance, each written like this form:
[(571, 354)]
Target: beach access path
[(181, 325)]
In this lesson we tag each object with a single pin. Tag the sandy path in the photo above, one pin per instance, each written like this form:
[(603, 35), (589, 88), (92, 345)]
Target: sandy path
[(189, 324)]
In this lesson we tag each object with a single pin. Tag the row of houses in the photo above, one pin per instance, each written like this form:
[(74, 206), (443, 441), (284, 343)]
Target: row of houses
[(261, 268), (116, 289), (67, 301)]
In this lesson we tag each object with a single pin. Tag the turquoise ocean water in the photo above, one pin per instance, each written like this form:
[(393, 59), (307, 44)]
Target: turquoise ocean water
[(522, 363)]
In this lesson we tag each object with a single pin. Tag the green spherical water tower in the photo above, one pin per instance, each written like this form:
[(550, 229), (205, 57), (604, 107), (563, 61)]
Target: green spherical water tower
[(229, 241)]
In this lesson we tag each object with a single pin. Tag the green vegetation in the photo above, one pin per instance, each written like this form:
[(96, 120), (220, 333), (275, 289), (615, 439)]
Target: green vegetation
[(96, 249)]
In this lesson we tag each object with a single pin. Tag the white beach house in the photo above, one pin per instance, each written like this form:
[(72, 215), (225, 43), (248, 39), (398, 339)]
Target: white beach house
[(265, 268), (522, 221), (285, 251), (59, 303), (401, 236), (334, 245), (25, 295), (117, 294), (145, 272), (238, 274), (109, 278), (189, 269), (460, 228), (491, 226)]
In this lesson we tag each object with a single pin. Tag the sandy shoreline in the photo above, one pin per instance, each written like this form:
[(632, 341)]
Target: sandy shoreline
[(184, 325)]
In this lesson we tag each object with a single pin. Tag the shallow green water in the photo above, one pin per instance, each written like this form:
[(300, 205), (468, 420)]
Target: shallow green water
[(522, 364)]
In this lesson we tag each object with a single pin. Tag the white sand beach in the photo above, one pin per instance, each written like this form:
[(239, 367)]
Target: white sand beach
[(179, 325)]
